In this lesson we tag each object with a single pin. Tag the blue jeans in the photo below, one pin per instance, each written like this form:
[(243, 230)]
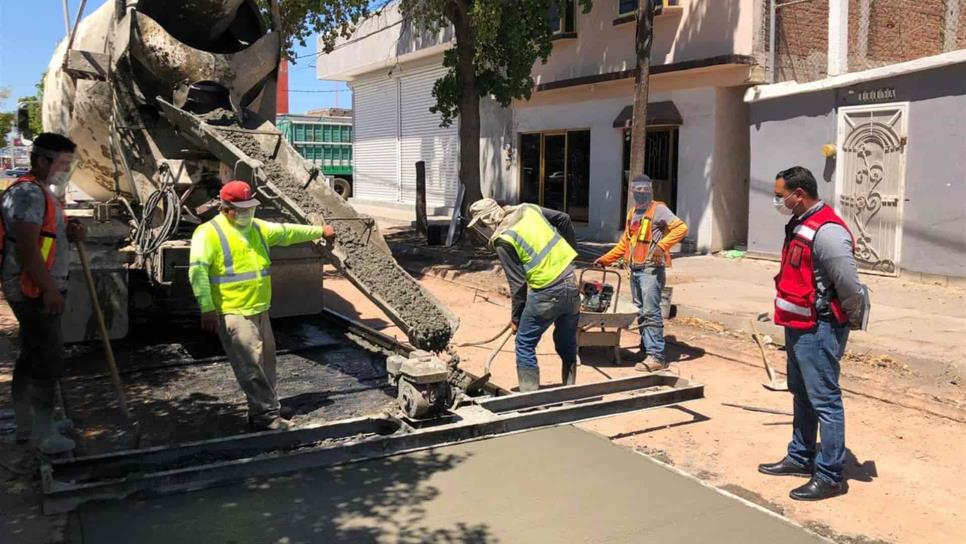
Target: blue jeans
[(646, 286), (813, 378), (558, 305)]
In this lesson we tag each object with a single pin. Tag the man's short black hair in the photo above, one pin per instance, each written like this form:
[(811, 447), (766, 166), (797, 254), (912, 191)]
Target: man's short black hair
[(799, 177), (49, 142)]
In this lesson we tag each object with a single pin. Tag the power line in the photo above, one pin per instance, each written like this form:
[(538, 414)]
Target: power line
[(318, 91), (377, 12)]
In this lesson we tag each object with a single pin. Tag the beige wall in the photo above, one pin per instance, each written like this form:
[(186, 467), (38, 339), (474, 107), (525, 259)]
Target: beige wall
[(379, 43), (729, 178), (697, 29)]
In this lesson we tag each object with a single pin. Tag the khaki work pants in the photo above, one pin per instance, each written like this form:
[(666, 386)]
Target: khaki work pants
[(250, 346)]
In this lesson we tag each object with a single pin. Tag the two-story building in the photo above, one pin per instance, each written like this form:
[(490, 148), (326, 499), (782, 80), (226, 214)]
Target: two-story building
[(568, 147), (871, 97)]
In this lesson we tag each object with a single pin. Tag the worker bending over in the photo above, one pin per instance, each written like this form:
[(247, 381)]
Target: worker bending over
[(650, 231), (34, 236), (229, 275), (819, 298), (536, 248)]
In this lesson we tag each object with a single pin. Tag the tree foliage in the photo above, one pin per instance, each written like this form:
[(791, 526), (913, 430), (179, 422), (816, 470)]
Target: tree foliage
[(303, 19), (35, 106), (6, 118), (506, 39)]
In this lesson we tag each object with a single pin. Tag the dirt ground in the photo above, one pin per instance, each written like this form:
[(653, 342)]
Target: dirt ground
[(899, 459), (901, 454)]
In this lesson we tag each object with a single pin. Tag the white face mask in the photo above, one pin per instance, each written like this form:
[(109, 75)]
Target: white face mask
[(58, 179), (244, 218), (779, 204)]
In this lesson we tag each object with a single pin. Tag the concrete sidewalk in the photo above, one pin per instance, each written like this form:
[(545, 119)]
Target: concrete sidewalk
[(910, 321)]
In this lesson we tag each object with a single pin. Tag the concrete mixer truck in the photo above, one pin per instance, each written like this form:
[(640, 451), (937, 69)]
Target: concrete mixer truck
[(167, 101)]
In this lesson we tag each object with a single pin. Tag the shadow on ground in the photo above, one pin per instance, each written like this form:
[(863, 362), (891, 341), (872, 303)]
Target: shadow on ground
[(376, 501)]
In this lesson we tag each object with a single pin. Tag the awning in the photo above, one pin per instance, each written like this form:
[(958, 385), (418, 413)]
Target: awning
[(658, 113)]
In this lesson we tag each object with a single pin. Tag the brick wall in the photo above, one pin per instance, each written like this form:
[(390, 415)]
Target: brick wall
[(961, 28), (881, 32), (802, 41)]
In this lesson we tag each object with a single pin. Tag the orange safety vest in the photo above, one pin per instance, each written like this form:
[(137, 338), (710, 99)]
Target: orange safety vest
[(48, 235), (639, 242)]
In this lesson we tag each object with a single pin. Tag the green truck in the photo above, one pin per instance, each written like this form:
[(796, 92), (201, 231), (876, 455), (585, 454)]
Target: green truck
[(323, 137)]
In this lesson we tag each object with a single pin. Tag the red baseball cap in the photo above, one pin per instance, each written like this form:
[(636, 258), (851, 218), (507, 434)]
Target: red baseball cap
[(238, 194)]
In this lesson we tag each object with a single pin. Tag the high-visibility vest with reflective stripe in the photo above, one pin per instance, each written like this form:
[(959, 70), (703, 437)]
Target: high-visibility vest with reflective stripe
[(639, 243), (795, 282), (239, 273), (48, 235), (542, 251)]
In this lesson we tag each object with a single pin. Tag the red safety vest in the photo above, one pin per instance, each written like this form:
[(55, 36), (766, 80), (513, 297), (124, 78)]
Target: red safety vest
[(48, 235), (795, 282)]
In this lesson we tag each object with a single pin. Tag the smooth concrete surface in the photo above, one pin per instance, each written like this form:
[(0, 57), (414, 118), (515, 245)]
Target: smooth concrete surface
[(552, 485)]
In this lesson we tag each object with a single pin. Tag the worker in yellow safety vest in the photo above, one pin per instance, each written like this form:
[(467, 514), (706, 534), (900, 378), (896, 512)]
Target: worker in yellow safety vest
[(650, 232), (536, 247), (230, 276)]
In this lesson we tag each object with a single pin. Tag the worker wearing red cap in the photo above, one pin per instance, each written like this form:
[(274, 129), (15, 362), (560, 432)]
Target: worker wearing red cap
[(230, 277)]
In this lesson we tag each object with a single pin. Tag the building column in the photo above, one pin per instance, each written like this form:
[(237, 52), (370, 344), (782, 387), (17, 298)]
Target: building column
[(952, 24), (838, 37)]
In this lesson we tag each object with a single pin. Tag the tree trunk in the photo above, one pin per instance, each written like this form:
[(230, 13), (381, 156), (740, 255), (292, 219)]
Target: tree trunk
[(644, 39), (469, 106)]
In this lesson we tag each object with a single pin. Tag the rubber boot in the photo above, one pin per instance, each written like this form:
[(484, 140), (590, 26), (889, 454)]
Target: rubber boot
[(23, 418), (568, 373), (22, 412), (45, 436), (529, 378)]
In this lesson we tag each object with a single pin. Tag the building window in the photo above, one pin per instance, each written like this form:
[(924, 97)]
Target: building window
[(561, 16), (660, 164), (625, 7), (555, 171)]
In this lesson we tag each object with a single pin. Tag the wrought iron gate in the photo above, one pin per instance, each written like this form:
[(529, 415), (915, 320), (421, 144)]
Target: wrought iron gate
[(871, 178)]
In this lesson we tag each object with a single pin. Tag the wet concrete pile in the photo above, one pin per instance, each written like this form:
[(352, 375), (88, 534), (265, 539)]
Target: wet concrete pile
[(370, 267)]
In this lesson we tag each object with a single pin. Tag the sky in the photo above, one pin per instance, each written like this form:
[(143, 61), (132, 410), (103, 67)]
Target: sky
[(31, 29)]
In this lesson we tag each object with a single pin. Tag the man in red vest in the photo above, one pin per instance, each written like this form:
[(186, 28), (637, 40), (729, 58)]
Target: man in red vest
[(819, 299), (35, 262)]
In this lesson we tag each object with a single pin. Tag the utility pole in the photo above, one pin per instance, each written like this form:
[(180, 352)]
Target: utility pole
[(643, 42)]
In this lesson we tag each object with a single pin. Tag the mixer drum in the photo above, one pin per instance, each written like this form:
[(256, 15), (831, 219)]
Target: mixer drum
[(172, 48)]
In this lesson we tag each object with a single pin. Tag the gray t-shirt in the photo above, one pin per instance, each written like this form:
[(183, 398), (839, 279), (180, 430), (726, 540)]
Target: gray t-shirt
[(25, 202), (835, 270), (663, 216)]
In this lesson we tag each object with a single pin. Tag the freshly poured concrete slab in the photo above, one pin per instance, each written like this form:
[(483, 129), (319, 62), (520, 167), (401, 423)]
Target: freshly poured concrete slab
[(552, 485)]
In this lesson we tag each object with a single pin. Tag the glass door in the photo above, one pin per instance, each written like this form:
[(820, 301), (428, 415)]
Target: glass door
[(555, 171)]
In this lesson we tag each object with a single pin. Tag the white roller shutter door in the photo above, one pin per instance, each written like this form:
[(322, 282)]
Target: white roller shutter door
[(375, 149), (423, 139)]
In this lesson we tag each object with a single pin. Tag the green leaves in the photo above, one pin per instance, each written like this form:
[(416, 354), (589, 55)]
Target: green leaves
[(504, 38), (302, 19)]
